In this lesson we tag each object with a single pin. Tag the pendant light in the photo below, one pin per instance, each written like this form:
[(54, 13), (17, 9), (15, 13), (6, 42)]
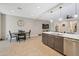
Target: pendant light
[(51, 22), (76, 15), (60, 19)]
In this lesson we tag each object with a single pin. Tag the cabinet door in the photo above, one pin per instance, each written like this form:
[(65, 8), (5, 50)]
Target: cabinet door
[(60, 40), (59, 44), (56, 43), (51, 41), (76, 47), (44, 38), (68, 47), (71, 47)]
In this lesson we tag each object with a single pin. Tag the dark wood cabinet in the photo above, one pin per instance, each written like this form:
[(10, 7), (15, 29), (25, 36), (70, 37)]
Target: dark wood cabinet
[(48, 40), (44, 38), (53, 41), (59, 43)]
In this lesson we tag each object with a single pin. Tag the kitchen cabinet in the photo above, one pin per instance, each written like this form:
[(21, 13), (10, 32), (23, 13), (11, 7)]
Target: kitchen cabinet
[(76, 47), (71, 47), (65, 44), (44, 38), (59, 43), (68, 46), (53, 41), (48, 40)]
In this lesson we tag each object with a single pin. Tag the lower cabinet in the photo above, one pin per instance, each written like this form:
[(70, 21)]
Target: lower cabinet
[(48, 40), (71, 47), (76, 48), (66, 46), (51, 42), (45, 38), (55, 42), (59, 44)]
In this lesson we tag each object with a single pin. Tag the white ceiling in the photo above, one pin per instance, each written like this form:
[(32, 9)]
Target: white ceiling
[(38, 10)]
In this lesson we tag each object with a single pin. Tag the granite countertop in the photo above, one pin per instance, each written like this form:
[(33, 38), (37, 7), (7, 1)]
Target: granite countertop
[(72, 36)]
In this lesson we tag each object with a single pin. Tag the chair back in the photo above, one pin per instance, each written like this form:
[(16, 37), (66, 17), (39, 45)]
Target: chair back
[(10, 33), (29, 31)]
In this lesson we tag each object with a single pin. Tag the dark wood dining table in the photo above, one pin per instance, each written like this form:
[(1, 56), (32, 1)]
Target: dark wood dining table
[(20, 35)]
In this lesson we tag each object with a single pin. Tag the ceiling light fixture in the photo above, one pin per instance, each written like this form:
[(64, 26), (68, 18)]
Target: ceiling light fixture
[(76, 15), (38, 7), (51, 11), (60, 19), (32, 15), (12, 10), (51, 21), (19, 8)]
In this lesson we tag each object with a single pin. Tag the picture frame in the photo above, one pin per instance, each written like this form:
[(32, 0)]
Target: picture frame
[(20, 22)]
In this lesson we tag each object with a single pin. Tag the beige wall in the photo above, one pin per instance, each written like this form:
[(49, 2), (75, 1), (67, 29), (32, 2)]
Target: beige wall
[(34, 25), (0, 25), (3, 26), (10, 23)]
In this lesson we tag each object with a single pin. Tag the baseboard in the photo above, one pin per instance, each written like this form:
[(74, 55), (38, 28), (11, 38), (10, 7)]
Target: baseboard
[(36, 35)]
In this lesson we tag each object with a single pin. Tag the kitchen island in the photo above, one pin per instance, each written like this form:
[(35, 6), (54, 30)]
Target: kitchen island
[(66, 44)]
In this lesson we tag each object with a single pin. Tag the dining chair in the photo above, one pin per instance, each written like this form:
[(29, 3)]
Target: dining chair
[(21, 35), (12, 36), (28, 33)]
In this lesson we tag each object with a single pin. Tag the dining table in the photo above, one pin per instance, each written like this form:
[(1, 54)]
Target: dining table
[(20, 35)]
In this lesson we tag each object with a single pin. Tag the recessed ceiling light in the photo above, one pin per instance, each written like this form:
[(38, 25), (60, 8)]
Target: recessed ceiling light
[(75, 16), (60, 19), (51, 21), (32, 15), (38, 7), (51, 11), (19, 8), (12, 10)]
